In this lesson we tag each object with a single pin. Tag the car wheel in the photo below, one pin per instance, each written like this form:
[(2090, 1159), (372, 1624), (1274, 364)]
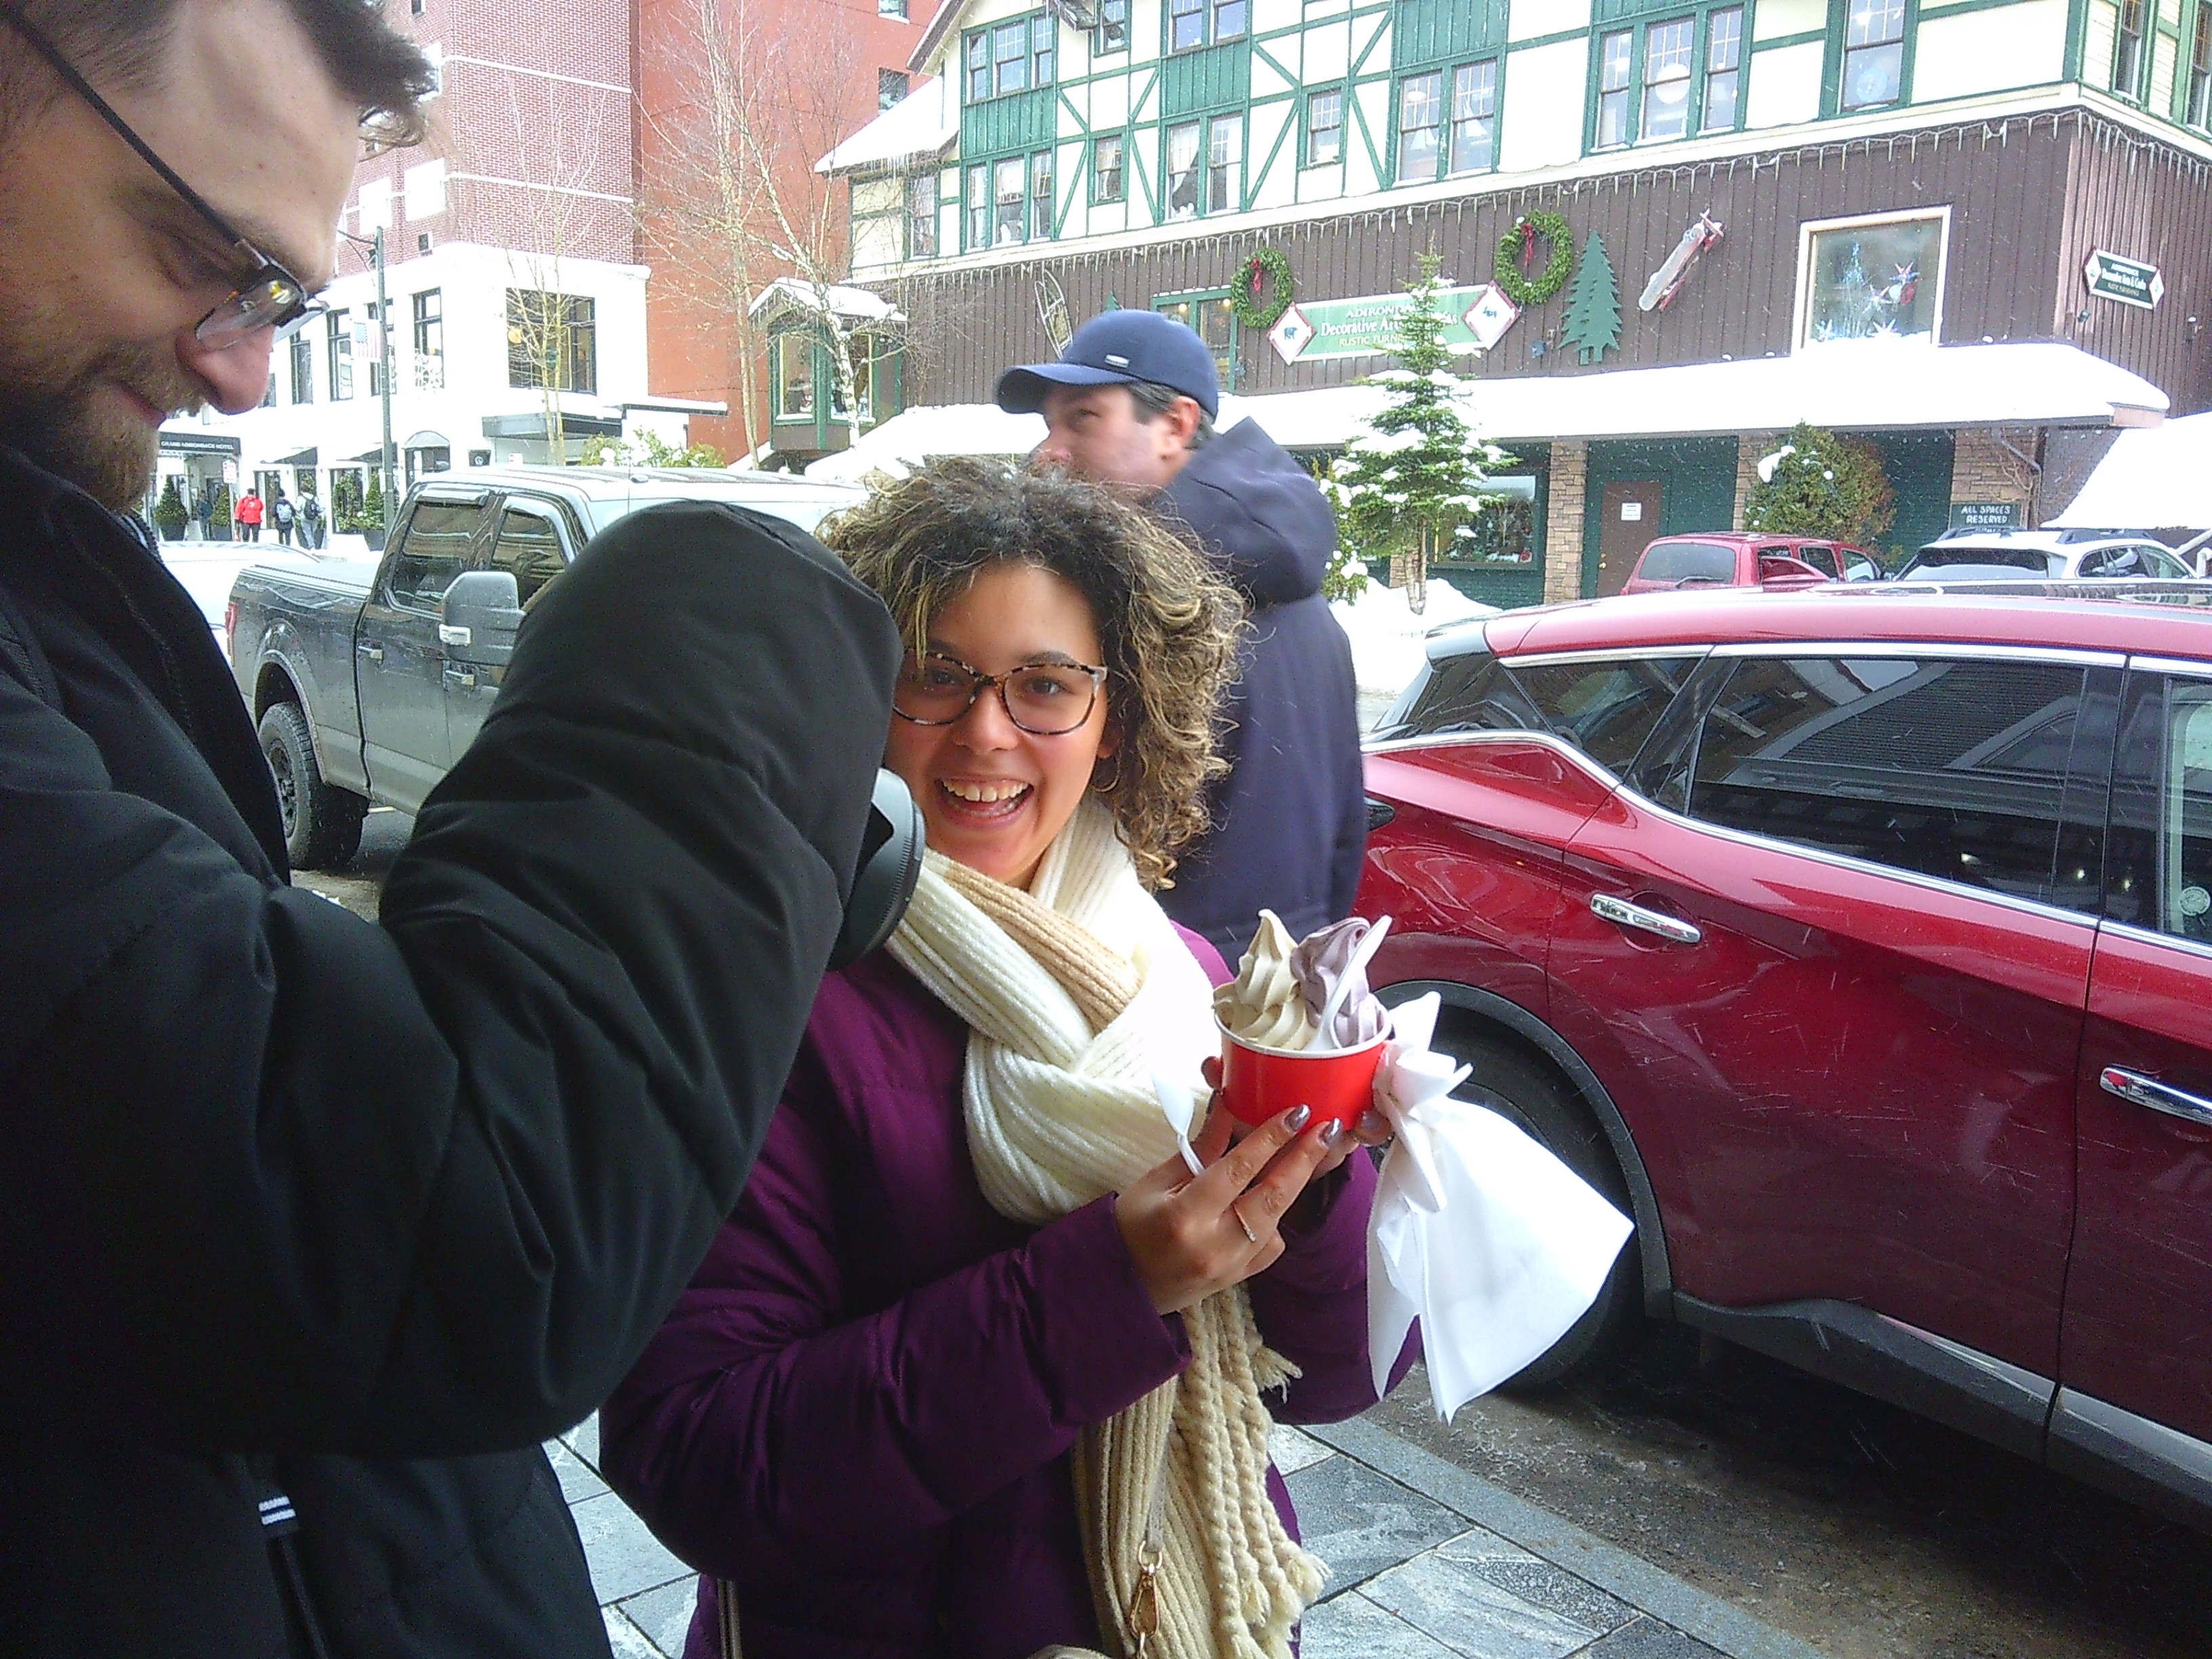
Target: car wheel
[(1510, 1081), (322, 824)]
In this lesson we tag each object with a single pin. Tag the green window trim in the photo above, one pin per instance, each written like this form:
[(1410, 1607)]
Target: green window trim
[(980, 214), (985, 51), (1341, 91), (1704, 69), (1224, 131), (1449, 87), (1217, 23), (1120, 138), (1833, 72), (2145, 49), (1205, 309)]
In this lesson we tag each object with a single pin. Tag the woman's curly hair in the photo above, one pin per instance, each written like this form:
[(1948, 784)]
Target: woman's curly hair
[(1168, 624)]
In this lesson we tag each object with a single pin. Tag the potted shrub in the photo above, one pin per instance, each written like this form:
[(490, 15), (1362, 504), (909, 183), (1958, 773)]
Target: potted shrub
[(219, 509), (169, 515)]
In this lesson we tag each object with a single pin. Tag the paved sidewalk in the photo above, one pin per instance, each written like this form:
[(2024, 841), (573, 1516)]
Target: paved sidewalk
[(1427, 1562)]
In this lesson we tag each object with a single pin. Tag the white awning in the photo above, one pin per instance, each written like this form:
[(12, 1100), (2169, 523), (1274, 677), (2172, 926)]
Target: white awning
[(851, 305), (921, 124), (2158, 479), (1865, 385)]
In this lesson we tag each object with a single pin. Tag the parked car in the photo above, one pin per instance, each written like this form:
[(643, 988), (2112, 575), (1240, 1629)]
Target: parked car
[(1858, 942), (1734, 558), (367, 680), (2043, 554)]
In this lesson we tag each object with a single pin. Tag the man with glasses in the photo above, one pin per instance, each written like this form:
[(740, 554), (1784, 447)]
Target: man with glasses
[(311, 1229)]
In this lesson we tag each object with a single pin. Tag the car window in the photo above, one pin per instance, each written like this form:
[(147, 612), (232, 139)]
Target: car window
[(2003, 560), (1857, 567), (1466, 691), (2113, 562), (431, 552), (1687, 561), (2162, 809), (1822, 559), (530, 547), (1953, 768), (2159, 562), (1605, 708)]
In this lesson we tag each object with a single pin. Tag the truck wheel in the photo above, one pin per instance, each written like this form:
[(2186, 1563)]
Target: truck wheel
[(1536, 1100), (322, 824)]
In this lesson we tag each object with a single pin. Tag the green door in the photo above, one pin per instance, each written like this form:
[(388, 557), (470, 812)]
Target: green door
[(1672, 486)]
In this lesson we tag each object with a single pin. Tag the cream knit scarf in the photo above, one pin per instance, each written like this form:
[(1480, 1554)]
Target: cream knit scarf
[(1072, 994)]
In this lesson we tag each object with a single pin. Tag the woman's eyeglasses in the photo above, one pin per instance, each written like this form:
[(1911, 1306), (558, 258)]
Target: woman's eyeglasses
[(1045, 699), (271, 297)]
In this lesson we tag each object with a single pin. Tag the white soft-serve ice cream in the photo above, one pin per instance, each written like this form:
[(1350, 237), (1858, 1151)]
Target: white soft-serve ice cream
[(1281, 988)]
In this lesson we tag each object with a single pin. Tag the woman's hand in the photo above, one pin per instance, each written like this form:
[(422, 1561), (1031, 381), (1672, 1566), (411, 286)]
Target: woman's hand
[(1190, 1235), (1373, 1129)]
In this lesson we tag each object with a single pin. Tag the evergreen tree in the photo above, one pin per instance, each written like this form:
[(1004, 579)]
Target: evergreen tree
[(169, 514), (372, 503), (219, 507), (1593, 320), (1815, 484), (1415, 480)]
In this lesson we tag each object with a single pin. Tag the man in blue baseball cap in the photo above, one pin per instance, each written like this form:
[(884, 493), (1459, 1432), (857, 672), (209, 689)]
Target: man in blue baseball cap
[(1132, 403)]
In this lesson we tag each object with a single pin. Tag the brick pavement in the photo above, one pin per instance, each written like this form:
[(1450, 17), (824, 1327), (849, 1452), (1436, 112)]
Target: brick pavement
[(1427, 1561)]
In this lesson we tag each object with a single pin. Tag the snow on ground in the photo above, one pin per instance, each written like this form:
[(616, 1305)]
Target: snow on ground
[(1387, 649)]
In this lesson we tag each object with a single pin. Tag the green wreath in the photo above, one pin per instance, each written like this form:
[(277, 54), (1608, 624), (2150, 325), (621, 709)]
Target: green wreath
[(1522, 290), (1263, 290)]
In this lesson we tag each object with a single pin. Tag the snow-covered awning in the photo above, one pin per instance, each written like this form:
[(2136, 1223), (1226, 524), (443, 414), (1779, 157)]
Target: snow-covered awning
[(921, 124), (854, 306), (2158, 479), (906, 441)]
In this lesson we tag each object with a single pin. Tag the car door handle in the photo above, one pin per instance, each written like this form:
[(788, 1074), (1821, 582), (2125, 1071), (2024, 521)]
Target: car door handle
[(465, 679), (374, 653), (1673, 929), (2140, 1090)]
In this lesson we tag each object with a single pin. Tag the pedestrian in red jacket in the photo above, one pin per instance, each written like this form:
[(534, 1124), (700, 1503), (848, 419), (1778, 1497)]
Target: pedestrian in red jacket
[(248, 515)]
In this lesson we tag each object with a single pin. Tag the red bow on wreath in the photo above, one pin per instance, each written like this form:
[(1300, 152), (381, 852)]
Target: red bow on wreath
[(1254, 274), (1527, 246)]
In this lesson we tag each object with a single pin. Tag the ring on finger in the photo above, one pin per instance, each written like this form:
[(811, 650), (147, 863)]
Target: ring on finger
[(1245, 1224)]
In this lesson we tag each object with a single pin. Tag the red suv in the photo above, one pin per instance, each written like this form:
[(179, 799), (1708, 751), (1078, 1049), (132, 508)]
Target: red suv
[(1734, 558), (1858, 941)]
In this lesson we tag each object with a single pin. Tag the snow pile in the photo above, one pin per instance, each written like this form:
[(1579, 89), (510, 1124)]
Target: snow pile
[(1385, 636)]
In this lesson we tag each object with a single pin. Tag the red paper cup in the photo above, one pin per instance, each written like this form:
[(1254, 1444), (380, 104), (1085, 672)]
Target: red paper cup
[(1257, 1084)]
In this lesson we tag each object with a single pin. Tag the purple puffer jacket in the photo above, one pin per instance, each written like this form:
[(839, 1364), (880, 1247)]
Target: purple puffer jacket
[(861, 1411)]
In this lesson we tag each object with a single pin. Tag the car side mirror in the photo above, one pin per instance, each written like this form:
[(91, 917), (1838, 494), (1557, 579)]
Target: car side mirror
[(477, 618)]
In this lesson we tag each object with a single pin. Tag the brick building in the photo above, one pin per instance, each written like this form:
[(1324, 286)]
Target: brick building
[(1913, 193)]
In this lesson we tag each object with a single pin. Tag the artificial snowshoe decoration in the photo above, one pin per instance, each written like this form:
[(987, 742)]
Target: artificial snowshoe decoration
[(1666, 281)]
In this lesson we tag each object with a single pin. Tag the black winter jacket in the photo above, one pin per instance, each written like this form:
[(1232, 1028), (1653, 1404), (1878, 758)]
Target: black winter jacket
[(1291, 818), (294, 1204)]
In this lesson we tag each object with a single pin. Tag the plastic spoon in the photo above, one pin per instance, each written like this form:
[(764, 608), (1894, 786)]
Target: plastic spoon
[(1176, 1105), (1362, 954)]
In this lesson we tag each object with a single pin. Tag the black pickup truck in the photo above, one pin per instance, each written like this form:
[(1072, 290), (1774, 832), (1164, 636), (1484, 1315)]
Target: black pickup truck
[(368, 679)]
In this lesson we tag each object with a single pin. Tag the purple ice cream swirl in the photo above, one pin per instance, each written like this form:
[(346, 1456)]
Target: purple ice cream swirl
[(1318, 964)]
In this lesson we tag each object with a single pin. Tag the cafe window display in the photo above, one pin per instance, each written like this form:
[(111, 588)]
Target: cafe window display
[(1878, 277), (1503, 533)]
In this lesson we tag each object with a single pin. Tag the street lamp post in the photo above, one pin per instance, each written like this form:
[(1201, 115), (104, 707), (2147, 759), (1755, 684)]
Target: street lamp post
[(384, 379)]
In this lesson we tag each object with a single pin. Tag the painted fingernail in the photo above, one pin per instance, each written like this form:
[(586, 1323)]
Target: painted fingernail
[(1374, 1125), (1331, 1133), (1295, 1119)]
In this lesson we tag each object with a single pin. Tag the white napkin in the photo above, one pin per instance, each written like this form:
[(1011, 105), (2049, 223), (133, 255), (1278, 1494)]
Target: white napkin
[(1493, 1243)]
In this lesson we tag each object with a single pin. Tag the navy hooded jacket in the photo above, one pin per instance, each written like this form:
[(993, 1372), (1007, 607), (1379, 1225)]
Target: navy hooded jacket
[(1289, 821)]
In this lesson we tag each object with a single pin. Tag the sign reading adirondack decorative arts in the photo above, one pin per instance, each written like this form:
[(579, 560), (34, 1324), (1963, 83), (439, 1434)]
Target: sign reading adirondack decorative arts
[(1313, 330), (2130, 281)]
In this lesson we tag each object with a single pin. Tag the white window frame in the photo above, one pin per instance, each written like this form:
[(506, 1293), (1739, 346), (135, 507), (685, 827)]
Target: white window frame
[(1806, 229)]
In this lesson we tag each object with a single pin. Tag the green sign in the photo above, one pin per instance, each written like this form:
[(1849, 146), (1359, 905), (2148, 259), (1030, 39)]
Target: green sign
[(1985, 515), (1313, 330), (2129, 281)]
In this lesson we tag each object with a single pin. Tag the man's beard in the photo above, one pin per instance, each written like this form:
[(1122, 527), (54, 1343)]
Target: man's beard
[(51, 410)]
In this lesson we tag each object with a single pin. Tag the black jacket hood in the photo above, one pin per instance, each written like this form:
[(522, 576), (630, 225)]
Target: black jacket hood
[(1259, 513)]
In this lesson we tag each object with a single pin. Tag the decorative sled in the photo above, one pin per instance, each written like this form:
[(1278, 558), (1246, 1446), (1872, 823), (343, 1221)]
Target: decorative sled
[(1666, 281)]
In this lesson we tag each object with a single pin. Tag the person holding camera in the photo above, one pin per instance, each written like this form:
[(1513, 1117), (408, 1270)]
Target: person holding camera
[(315, 1229)]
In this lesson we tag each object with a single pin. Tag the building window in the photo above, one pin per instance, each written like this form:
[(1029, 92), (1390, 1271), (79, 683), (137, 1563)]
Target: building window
[(890, 8), (1475, 118), (1011, 57), (921, 216), (552, 341), (268, 392), (891, 87), (1183, 170), (430, 340), (340, 330), (1186, 24), (1108, 181), (1224, 149), (303, 367), (1010, 194), (2127, 52), (792, 368), (979, 206), (1874, 53), (1113, 33), (1041, 214), (1616, 54), (1228, 20), (2199, 109), (1877, 277), (1666, 78), (1213, 318), (1420, 118), (1325, 127), (1724, 71)]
